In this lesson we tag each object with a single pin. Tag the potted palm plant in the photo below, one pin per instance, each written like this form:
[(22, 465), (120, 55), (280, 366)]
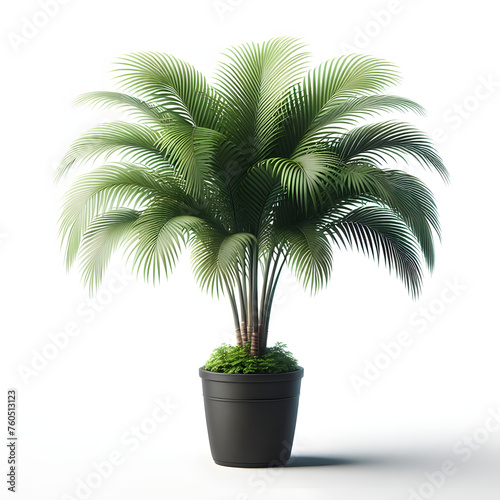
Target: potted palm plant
[(271, 165)]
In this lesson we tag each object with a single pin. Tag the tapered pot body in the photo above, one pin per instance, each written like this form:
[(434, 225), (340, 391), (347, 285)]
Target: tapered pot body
[(251, 417)]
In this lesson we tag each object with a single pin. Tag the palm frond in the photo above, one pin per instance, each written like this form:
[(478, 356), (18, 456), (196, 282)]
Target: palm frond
[(109, 187), (405, 194), (305, 176), (164, 80), (309, 254), (349, 76), (391, 139), (380, 234), (254, 81), (343, 112), (153, 115), (135, 142), (217, 257), (162, 230), (192, 151), (103, 236)]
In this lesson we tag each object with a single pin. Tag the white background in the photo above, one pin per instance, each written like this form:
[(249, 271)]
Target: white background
[(137, 343)]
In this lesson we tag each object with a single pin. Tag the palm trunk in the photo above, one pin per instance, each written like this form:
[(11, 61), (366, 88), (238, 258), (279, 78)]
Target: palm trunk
[(243, 324), (261, 328), (255, 349), (249, 333), (264, 286), (252, 321), (273, 282), (236, 318), (250, 298), (264, 328)]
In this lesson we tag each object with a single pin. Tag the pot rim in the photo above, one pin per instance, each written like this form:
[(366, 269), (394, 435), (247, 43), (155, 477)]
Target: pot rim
[(252, 377)]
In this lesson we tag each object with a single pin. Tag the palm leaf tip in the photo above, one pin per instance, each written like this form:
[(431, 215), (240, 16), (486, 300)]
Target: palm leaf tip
[(380, 234)]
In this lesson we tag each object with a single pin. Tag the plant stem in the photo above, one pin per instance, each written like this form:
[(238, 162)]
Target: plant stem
[(243, 324), (255, 349), (270, 295), (261, 325), (264, 284), (243, 300), (269, 287), (250, 297), (235, 313)]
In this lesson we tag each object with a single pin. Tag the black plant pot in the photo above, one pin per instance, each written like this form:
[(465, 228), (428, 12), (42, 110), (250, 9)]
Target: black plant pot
[(251, 418)]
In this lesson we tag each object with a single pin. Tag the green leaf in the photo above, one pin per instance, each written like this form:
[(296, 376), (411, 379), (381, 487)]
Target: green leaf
[(111, 186), (254, 81), (380, 234), (310, 254), (161, 232), (164, 80), (191, 150), (153, 115), (349, 76), (103, 236), (378, 141), (137, 143), (217, 257)]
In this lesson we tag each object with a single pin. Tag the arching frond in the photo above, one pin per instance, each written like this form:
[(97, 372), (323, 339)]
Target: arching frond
[(103, 236), (349, 76), (380, 234), (254, 81), (164, 80), (191, 150), (379, 141), (309, 254), (304, 177), (109, 187), (153, 115), (217, 257), (135, 143), (341, 113), (405, 194), (162, 231)]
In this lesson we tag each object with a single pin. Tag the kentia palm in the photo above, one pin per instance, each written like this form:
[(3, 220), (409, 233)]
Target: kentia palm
[(269, 165)]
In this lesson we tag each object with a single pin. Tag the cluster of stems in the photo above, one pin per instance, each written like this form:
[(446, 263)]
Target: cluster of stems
[(251, 318)]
